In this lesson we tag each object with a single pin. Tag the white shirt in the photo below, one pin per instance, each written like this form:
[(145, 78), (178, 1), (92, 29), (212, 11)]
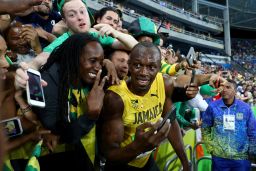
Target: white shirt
[(198, 102)]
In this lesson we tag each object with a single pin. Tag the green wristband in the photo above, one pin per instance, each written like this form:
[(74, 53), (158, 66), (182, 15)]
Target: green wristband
[(8, 60)]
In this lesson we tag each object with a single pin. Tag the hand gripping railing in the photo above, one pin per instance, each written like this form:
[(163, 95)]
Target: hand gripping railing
[(175, 157)]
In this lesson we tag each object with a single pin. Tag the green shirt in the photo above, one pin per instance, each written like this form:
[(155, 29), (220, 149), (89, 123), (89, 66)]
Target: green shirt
[(181, 112), (104, 41)]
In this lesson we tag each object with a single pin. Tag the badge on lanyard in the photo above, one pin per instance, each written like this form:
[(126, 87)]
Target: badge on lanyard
[(229, 122)]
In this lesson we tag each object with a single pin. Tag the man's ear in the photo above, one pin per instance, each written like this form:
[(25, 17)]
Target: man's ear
[(64, 20), (98, 20)]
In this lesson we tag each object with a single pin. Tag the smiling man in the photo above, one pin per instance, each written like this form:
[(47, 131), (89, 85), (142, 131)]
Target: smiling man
[(120, 60), (73, 98), (23, 42), (108, 15), (132, 112)]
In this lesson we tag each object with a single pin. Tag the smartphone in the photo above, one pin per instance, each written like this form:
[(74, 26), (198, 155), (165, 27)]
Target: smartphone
[(191, 56), (172, 111), (104, 72), (35, 95), (12, 127), (193, 76)]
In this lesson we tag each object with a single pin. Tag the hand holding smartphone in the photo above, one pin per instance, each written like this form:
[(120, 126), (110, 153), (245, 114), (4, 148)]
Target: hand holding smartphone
[(12, 127), (193, 76), (35, 95), (191, 56), (168, 114)]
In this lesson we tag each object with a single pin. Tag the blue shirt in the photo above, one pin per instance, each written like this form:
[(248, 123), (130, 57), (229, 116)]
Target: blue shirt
[(231, 144), (37, 21)]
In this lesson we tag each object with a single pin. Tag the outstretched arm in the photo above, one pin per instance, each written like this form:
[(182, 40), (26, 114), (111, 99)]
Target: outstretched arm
[(124, 41), (21, 76), (182, 89), (177, 142)]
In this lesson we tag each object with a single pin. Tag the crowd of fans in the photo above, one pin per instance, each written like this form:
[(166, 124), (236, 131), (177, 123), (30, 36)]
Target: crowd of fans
[(92, 117), (246, 81), (244, 53)]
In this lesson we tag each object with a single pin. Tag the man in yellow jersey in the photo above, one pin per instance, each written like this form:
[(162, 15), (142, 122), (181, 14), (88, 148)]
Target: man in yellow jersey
[(132, 111)]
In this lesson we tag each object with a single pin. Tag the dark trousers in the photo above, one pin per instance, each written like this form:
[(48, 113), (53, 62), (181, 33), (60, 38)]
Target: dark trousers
[(222, 164)]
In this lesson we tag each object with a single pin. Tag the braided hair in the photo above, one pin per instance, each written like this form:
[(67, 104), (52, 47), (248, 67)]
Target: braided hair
[(67, 56)]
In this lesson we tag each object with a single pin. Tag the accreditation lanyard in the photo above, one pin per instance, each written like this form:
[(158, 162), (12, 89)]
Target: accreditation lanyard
[(229, 121)]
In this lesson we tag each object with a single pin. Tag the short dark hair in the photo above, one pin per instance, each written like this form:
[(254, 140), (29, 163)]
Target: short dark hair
[(150, 47), (233, 83), (113, 51), (103, 11), (9, 28), (163, 36)]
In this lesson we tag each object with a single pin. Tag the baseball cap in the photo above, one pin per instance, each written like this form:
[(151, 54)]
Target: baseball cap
[(144, 27)]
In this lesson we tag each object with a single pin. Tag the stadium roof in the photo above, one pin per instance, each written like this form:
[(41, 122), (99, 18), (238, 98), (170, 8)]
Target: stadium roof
[(243, 14)]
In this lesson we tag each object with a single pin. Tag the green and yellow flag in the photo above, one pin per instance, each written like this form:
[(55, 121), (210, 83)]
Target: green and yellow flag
[(33, 164), (7, 166)]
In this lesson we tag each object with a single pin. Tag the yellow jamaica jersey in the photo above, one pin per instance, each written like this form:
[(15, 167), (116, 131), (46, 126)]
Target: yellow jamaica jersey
[(140, 109)]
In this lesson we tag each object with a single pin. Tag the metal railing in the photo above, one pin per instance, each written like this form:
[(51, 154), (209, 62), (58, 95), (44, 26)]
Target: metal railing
[(209, 19), (173, 28), (175, 157), (196, 162), (201, 159)]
